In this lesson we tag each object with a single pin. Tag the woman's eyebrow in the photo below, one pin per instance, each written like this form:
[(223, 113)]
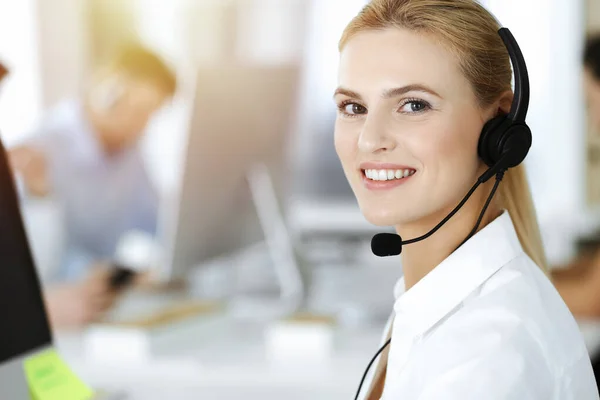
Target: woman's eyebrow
[(389, 93), (408, 88), (347, 92)]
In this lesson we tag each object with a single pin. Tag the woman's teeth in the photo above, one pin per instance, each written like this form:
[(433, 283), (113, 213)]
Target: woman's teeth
[(388, 174)]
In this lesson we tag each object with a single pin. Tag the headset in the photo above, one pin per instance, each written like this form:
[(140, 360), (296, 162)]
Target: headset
[(503, 143)]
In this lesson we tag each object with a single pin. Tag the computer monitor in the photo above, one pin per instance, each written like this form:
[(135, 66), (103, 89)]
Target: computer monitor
[(25, 328), (242, 117)]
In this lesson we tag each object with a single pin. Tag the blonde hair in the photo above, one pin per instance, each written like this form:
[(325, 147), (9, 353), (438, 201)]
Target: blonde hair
[(141, 63), (470, 32)]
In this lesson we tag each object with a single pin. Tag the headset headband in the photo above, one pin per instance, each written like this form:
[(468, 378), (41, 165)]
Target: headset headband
[(520, 103)]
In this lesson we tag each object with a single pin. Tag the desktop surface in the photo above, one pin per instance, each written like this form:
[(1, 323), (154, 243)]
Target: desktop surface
[(222, 356), (231, 363)]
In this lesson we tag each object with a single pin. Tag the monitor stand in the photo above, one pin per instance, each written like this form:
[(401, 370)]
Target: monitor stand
[(290, 272)]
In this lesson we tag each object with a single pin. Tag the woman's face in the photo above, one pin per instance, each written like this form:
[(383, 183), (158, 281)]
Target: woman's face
[(407, 126), (136, 101)]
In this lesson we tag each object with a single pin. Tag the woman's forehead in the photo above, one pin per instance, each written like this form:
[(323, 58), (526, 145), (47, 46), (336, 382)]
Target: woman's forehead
[(373, 61)]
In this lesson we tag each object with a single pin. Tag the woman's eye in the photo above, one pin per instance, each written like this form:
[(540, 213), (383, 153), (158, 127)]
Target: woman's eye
[(414, 106), (354, 109)]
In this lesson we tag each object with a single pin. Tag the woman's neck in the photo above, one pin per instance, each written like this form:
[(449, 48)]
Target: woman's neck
[(420, 258)]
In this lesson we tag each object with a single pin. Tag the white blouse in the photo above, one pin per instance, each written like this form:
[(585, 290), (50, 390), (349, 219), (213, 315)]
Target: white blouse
[(486, 324)]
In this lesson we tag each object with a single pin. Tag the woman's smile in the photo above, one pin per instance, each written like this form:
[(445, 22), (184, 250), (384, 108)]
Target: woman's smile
[(379, 176)]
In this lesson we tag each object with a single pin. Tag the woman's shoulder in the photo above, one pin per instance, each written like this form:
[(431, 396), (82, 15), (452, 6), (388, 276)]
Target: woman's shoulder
[(513, 333), (520, 307), (479, 347)]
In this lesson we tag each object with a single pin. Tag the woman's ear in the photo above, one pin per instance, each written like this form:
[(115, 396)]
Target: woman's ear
[(504, 102)]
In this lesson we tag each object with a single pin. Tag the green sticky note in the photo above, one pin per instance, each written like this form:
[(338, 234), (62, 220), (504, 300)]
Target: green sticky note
[(50, 378)]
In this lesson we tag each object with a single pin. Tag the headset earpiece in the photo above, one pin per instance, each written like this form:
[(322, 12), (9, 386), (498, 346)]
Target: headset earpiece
[(514, 145), (505, 140), (488, 140)]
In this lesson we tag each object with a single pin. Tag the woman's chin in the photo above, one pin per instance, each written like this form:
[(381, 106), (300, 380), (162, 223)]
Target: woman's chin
[(381, 218)]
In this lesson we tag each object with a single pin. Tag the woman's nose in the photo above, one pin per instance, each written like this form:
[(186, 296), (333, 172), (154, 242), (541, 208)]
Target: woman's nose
[(376, 136)]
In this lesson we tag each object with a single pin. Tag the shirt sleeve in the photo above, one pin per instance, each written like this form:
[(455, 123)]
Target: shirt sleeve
[(41, 140)]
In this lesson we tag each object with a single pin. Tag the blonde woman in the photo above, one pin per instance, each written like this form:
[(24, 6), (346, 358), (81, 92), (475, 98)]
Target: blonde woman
[(478, 320)]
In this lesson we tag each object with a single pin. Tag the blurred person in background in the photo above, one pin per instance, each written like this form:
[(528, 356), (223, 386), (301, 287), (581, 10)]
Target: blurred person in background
[(85, 155), (578, 282)]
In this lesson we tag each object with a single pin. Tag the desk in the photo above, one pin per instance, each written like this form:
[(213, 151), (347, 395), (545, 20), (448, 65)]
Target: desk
[(231, 365)]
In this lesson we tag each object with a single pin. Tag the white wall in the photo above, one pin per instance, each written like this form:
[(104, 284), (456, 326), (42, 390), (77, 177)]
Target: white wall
[(44, 45), (21, 94), (63, 48)]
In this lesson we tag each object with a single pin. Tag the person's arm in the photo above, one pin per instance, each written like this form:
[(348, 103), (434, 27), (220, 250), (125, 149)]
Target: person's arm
[(30, 163), (33, 157), (78, 303)]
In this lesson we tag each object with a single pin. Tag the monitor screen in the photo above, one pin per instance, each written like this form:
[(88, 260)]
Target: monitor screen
[(242, 116), (23, 323)]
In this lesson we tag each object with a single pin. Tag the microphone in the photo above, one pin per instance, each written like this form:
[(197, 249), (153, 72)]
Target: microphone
[(386, 244), (390, 244)]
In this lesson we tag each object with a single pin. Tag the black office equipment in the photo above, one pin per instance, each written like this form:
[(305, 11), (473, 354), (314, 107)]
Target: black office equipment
[(24, 326)]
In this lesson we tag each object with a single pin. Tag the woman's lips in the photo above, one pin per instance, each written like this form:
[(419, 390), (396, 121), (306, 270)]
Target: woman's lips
[(386, 178)]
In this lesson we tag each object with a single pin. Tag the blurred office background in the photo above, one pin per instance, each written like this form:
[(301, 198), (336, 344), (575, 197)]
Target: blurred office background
[(51, 46)]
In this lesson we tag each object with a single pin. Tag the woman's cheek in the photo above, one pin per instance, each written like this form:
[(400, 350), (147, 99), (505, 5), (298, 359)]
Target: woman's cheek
[(345, 145)]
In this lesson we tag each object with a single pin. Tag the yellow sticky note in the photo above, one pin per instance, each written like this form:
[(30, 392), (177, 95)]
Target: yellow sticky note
[(50, 378)]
